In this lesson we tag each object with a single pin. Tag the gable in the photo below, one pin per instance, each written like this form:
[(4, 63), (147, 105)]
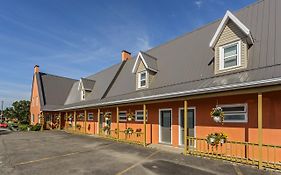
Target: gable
[(35, 97), (231, 33)]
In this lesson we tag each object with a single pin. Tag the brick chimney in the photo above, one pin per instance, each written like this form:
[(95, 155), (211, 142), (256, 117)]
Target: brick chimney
[(126, 55), (36, 68)]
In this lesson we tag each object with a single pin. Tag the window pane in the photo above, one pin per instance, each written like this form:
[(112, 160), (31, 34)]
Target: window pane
[(234, 108), (229, 117), (229, 51), (122, 116), (143, 76), (143, 82), (231, 61)]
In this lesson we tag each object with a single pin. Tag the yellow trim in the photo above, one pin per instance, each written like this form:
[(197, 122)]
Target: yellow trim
[(144, 124), (260, 128), (74, 120), (117, 121), (85, 121), (99, 129), (185, 127)]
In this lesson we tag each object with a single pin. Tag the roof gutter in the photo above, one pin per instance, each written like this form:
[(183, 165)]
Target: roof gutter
[(259, 83)]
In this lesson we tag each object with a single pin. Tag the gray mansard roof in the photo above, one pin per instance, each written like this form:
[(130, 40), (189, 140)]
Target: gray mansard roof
[(184, 65)]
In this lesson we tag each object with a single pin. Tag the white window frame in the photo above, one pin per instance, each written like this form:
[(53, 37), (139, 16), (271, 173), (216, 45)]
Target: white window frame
[(139, 120), (83, 94), (122, 120), (32, 118), (139, 79), (235, 112), (90, 113), (221, 55)]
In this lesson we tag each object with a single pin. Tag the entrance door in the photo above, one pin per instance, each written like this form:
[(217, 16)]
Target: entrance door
[(165, 126), (190, 123)]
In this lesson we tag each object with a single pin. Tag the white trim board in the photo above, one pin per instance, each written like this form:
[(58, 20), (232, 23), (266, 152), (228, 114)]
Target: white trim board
[(140, 58), (179, 121), (229, 16)]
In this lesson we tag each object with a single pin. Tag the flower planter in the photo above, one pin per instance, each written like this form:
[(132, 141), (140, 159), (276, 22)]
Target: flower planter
[(217, 119), (222, 141)]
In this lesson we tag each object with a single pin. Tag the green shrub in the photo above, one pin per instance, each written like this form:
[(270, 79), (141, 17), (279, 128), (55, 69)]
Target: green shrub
[(23, 127), (36, 127)]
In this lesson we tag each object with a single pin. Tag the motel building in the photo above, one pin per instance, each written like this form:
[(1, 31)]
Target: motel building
[(164, 96)]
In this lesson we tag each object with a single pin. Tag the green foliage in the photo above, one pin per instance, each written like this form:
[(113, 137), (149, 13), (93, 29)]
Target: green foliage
[(19, 110), (36, 127), (23, 127)]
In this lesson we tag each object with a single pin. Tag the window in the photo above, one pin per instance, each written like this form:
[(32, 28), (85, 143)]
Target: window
[(122, 115), (235, 113), (230, 55), (142, 77), (90, 116), (39, 118), (32, 118), (82, 95), (80, 116), (139, 115)]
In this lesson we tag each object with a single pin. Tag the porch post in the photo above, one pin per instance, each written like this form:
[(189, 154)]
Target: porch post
[(144, 125), (85, 120), (99, 121), (260, 128), (51, 121), (185, 127), (117, 121), (66, 122), (42, 121), (74, 120), (59, 120)]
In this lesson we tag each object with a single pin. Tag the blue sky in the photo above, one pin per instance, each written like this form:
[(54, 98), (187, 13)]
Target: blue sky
[(76, 38)]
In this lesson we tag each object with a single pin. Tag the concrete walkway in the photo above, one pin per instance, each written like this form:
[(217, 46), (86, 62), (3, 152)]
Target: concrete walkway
[(57, 152)]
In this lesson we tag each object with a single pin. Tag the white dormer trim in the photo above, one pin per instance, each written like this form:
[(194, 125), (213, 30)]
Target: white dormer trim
[(228, 15), (80, 86), (140, 58)]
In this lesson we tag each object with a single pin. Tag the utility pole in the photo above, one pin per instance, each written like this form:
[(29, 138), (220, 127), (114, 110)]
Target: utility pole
[(2, 107)]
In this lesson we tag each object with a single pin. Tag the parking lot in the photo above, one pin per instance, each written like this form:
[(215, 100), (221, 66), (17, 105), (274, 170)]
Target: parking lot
[(57, 152)]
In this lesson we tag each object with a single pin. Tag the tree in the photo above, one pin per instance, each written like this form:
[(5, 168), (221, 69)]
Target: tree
[(9, 112), (19, 110)]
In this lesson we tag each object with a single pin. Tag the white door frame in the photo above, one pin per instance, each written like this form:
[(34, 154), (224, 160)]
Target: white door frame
[(179, 120), (160, 133)]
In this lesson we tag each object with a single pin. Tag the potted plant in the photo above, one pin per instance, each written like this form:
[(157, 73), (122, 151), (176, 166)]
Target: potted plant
[(213, 139), (223, 138), (107, 116), (129, 131), (138, 132), (78, 126), (130, 116), (217, 114), (106, 129)]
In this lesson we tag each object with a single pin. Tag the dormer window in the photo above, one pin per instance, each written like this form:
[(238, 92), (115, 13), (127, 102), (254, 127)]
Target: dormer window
[(145, 69), (231, 43), (230, 56), (142, 82), (83, 94)]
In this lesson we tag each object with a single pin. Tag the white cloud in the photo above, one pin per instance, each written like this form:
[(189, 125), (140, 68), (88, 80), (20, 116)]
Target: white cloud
[(198, 3), (143, 43)]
